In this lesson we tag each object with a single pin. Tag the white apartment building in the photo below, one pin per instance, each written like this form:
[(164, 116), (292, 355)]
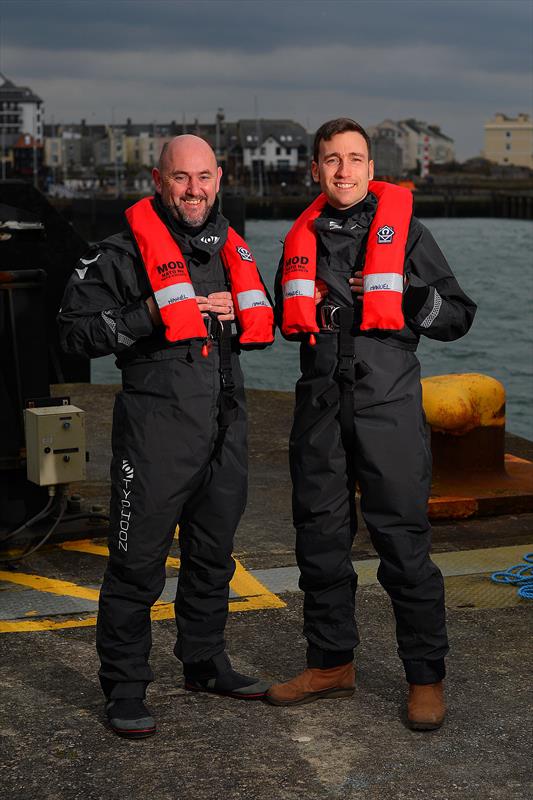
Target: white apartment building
[(413, 136), (21, 112), (274, 143)]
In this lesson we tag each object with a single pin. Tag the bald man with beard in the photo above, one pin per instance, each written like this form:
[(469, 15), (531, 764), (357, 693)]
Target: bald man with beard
[(179, 426)]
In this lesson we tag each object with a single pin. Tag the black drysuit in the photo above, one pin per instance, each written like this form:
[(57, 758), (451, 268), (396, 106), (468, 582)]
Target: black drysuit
[(170, 463), (384, 448)]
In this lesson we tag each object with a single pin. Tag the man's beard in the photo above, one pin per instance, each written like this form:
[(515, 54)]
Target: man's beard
[(193, 221)]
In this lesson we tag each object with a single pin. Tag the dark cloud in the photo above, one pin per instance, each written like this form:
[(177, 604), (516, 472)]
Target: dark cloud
[(493, 33), (453, 63)]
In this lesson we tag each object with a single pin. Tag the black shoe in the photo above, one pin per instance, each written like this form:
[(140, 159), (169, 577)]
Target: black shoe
[(232, 684), (129, 717)]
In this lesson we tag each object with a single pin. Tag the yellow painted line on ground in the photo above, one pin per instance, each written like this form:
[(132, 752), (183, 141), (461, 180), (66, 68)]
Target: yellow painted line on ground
[(50, 585), (32, 625), (87, 546), (253, 595)]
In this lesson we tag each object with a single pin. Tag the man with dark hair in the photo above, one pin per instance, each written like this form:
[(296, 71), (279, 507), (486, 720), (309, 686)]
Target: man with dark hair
[(359, 281), (163, 296), (341, 125)]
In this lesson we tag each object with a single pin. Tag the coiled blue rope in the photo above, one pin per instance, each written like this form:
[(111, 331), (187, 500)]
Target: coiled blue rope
[(520, 575)]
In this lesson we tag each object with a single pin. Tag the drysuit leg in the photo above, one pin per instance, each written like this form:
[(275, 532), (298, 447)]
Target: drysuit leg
[(164, 428), (323, 510), (393, 466), (207, 527)]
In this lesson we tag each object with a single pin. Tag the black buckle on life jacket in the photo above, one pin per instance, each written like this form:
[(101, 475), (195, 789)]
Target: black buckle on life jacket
[(328, 320), (213, 327)]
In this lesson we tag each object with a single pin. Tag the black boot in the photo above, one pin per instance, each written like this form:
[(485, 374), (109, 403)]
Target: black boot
[(218, 677), (129, 717)]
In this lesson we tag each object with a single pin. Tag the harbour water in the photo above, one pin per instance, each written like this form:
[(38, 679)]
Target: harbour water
[(492, 260)]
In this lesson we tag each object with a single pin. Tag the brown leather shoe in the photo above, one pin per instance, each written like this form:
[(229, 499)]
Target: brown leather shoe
[(313, 684), (426, 708)]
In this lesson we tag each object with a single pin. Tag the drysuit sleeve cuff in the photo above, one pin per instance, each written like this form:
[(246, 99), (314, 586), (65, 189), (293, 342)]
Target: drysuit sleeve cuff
[(136, 317), (415, 297)]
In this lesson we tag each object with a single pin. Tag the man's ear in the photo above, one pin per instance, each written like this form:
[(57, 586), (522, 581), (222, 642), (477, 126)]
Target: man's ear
[(314, 172), (156, 177), (371, 170)]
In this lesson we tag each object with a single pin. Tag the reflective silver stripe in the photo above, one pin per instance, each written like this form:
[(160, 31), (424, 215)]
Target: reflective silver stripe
[(251, 299), (121, 337), (109, 321), (298, 288), (384, 282), (433, 314), (174, 294)]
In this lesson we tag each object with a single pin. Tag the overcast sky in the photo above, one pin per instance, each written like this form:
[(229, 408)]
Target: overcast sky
[(449, 63)]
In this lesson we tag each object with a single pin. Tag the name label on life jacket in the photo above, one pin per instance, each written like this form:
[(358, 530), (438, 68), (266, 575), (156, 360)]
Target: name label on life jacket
[(383, 282)]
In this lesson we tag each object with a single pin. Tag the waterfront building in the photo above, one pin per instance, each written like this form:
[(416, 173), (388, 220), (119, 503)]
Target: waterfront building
[(27, 157), (266, 152), (509, 140), (414, 137), (387, 155), (21, 113)]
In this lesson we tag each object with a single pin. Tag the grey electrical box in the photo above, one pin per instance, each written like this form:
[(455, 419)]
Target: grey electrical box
[(55, 444)]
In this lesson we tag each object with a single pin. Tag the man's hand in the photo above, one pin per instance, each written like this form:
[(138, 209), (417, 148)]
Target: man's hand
[(203, 305), (153, 310), (222, 305), (219, 303), (321, 291), (356, 285)]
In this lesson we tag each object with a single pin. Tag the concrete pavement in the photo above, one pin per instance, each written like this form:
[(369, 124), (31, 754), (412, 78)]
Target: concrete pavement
[(54, 741)]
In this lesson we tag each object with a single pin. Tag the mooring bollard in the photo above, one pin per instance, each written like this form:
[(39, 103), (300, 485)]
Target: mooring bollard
[(472, 473), (466, 414)]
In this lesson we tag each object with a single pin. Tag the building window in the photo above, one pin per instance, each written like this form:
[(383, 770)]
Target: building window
[(288, 151), (278, 151), (263, 151), (508, 134), (507, 146)]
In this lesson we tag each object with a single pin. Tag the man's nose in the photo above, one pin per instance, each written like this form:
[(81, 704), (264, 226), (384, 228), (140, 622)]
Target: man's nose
[(193, 186), (341, 168)]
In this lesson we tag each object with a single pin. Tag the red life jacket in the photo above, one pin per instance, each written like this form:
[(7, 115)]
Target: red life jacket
[(174, 292), (383, 268)]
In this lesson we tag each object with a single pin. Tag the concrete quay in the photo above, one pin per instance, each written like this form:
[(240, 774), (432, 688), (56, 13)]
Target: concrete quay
[(54, 740)]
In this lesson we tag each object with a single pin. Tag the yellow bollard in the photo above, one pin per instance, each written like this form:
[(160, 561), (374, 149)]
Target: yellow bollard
[(466, 414), (472, 475)]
